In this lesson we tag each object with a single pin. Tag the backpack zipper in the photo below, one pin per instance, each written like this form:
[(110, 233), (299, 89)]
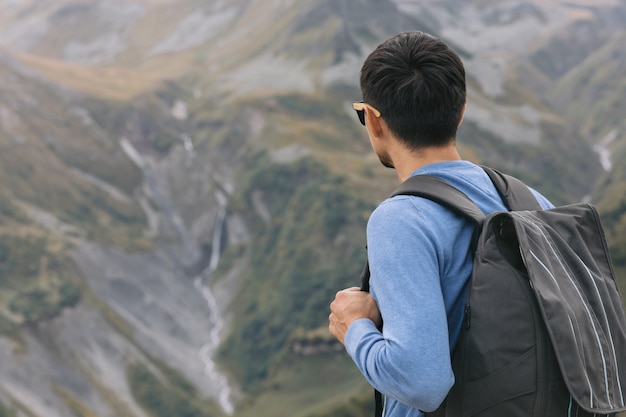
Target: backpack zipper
[(467, 315), (541, 350)]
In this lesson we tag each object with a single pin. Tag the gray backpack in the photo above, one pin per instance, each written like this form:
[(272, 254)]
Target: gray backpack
[(544, 331)]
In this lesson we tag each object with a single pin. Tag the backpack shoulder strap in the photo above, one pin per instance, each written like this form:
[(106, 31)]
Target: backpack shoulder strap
[(439, 191), (514, 193)]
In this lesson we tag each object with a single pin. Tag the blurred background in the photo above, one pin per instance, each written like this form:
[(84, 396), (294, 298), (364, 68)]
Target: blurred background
[(184, 185)]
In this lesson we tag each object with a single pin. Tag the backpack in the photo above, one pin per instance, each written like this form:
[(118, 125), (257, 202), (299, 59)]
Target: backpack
[(544, 330)]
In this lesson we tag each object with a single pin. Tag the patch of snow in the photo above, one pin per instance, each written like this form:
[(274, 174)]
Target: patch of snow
[(132, 153), (22, 35), (118, 19), (504, 122), (193, 31), (268, 72), (50, 222), (179, 110), (104, 186), (491, 35), (603, 150), (98, 51), (289, 154), (347, 71)]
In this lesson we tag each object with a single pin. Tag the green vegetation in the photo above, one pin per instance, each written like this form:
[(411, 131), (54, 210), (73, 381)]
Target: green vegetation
[(312, 247), (103, 218), (107, 220), (329, 126), (8, 208), (167, 396), (6, 412), (7, 327), (301, 105), (38, 303), (164, 142), (20, 257), (36, 279), (313, 386), (614, 219)]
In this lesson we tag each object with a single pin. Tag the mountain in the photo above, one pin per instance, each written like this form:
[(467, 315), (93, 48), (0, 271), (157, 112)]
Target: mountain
[(184, 185)]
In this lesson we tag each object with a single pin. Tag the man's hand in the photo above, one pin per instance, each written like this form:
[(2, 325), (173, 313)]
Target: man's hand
[(349, 305)]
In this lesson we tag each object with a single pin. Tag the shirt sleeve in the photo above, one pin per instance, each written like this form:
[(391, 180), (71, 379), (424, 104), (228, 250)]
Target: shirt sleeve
[(410, 359), (543, 202)]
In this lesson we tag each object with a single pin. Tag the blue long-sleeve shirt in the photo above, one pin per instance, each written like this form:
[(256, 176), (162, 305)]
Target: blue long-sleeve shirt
[(420, 263)]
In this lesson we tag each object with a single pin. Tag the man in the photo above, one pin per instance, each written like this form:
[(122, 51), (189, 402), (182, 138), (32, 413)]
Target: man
[(413, 89)]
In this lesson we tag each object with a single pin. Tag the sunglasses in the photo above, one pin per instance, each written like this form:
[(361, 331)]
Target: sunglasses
[(360, 111)]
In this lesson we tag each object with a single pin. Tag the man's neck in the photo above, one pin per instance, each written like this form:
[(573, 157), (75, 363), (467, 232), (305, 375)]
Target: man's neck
[(408, 162)]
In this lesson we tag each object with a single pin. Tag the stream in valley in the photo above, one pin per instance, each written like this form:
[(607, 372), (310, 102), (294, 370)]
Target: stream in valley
[(215, 321)]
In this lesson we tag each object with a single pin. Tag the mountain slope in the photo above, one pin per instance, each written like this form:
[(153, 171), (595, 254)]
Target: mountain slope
[(192, 185)]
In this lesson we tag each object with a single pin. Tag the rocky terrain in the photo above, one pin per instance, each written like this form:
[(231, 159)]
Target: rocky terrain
[(184, 185)]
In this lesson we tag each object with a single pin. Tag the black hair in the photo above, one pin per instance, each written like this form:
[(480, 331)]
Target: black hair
[(417, 83)]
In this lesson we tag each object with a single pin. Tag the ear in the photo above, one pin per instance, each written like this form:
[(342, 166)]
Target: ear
[(375, 125), (462, 114)]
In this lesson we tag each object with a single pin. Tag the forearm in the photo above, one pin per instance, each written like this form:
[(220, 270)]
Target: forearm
[(419, 379)]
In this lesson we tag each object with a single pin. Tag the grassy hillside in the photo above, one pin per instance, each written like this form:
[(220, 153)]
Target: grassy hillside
[(310, 245), (54, 161), (591, 96)]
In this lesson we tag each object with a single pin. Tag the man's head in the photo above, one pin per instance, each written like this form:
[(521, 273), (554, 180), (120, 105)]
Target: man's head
[(417, 83)]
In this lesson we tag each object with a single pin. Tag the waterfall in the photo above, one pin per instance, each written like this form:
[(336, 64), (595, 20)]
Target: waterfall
[(216, 321)]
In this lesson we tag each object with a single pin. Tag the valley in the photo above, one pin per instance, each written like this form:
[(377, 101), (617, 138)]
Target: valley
[(184, 186)]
